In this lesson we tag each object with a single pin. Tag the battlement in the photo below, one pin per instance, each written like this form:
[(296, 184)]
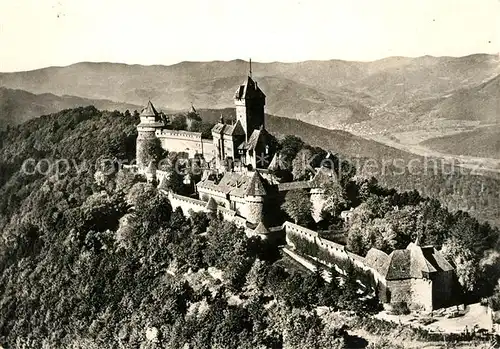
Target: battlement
[(187, 204), (179, 134), (186, 199)]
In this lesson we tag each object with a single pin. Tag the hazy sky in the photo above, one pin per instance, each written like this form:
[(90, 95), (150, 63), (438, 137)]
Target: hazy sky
[(39, 33)]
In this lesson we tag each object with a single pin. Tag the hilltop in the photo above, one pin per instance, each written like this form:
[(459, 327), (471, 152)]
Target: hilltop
[(18, 106)]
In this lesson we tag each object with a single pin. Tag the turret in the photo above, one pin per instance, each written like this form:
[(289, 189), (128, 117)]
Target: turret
[(211, 207), (318, 199), (261, 231), (151, 172), (254, 197), (146, 131)]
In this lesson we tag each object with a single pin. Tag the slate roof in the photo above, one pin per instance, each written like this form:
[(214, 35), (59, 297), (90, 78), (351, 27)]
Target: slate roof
[(149, 110), (249, 90), (236, 184), (211, 204), (256, 186), (237, 129), (230, 130), (261, 229), (229, 182), (399, 266), (413, 262), (274, 165), (253, 140), (323, 176)]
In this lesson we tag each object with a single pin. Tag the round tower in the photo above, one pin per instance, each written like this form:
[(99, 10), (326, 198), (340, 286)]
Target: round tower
[(318, 202), (150, 172), (318, 199), (146, 131), (254, 197)]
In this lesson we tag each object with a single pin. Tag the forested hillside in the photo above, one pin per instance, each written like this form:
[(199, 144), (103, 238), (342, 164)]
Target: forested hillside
[(91, 257), (18, 106), (94, 258), (481, 142)]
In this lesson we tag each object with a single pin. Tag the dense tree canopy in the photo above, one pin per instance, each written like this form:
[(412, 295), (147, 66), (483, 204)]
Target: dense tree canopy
[(92, 257)]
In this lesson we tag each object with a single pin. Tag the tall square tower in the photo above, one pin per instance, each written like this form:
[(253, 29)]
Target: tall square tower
[(250, 101)]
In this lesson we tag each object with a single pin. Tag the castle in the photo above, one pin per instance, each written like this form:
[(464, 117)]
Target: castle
[(241, 186), (241, 158)]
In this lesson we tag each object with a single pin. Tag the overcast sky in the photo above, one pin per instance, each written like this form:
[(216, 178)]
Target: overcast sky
[(40, 33)]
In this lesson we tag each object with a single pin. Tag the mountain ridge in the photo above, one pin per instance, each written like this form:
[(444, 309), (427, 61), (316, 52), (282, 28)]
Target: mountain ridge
[(389, 95)]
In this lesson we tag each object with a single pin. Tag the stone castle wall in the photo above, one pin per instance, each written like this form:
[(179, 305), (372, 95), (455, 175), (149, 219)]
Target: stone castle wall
[(187, 204), (186, 142), (254, 209), (417, 293), (334, 249)]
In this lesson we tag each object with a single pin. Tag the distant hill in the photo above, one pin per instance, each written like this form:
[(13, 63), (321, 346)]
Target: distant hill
[(383, 97), (326, 92), (481, 142), (17, 106), (336, 141), (479, 103)]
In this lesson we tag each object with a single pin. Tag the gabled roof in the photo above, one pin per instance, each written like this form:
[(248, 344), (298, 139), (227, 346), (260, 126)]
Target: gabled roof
[(236, 184), (428, 259), (219, 128), (377, 260), (149, 110), (230, 130), (249, 90), (261, 229), (413, 262), (253, 140), (399, 266), (237, 129), (256, 186)]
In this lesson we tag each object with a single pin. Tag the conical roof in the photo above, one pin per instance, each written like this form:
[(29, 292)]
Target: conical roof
[(274, 165), (211, 204), (256, 186), (151, 167), (149, 110), (261, 229)]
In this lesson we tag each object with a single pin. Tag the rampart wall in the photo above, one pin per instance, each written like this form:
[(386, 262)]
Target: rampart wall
[(187, 204), (336, 250), (186, 142)]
